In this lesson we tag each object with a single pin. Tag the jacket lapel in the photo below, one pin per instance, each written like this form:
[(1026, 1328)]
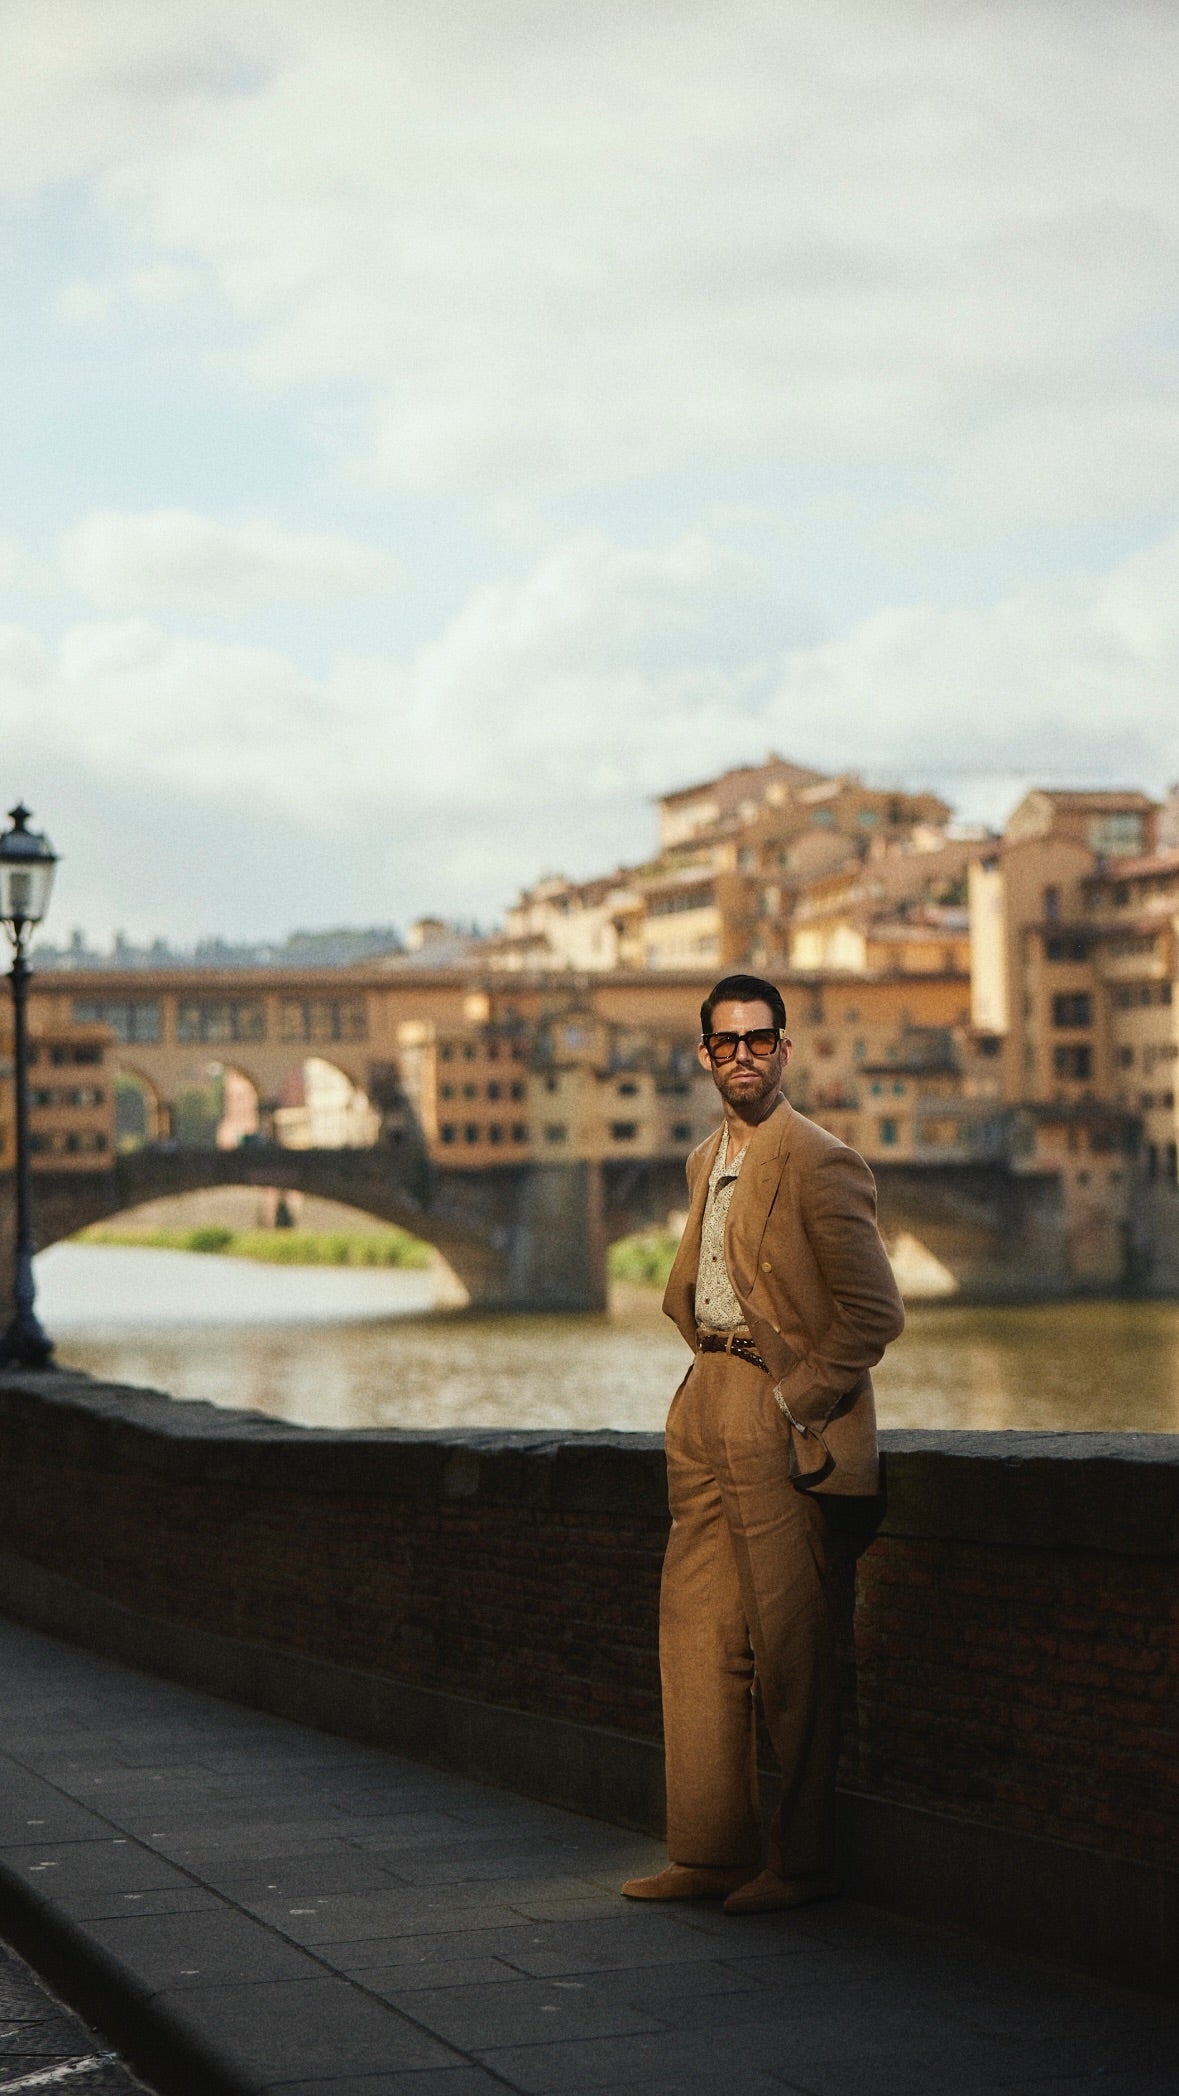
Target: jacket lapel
[(753, 1195), (679, 1297)]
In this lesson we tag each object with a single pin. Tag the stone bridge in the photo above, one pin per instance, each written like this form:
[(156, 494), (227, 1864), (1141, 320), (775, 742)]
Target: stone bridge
[(519, 1237), (532, 1236)]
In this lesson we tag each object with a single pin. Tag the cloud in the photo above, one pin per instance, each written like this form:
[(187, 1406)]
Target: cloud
[(533, 729), (21, 573), (605, 244), (172, 558), (655, 239)]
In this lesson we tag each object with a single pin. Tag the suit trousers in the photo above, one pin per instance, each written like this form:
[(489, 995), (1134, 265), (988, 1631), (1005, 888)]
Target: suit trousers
[(746, 1595)]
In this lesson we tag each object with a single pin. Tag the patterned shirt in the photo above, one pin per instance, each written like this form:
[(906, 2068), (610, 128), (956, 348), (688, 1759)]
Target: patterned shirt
[(717, 1308)]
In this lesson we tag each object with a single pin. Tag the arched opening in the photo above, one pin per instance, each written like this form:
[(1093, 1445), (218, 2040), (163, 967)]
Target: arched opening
[(321, 1108), (141, 1116), (197, 1111), (240, 1115)]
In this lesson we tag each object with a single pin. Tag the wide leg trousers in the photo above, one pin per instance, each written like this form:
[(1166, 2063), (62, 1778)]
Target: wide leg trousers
[(746, 1594)]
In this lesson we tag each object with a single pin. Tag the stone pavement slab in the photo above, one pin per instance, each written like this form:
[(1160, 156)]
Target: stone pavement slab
[(249, 1906), (44, 2047)]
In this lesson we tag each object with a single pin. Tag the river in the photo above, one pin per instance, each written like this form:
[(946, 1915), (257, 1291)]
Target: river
[(342, 1347)]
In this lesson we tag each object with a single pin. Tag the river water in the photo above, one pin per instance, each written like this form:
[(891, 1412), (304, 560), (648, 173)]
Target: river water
[(344, 1347)]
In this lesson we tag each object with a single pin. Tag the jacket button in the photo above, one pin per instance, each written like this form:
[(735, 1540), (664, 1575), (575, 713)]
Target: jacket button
[(778, 1330), (766, 1267)]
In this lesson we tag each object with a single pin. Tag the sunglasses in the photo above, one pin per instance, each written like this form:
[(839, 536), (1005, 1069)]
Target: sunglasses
[(761, 1042)]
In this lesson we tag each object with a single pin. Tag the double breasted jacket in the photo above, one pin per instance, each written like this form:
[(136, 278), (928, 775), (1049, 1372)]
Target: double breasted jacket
[(812, 1276)]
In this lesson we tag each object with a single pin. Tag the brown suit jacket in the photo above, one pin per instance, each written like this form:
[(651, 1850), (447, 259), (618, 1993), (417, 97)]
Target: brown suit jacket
[(812, 1276)]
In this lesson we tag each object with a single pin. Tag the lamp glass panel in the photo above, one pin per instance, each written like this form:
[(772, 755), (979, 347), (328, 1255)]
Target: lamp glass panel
[(25, 890)]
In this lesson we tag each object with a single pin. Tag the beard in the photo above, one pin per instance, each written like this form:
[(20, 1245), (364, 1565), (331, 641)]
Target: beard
[(742, 1088)]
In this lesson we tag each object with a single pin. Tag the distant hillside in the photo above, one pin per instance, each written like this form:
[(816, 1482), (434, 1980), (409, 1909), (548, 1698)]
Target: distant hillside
[(303, 949)]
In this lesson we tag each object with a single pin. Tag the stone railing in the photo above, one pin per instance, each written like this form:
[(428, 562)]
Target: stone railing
[(489, 1601)]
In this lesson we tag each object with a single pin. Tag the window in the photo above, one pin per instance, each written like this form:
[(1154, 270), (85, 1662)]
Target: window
[(1051, 904), (516, 1090), (207, 1019), (627, 1088), (681, 1131), (447, 1131), (888, 1130), (321, 1019), (495, 1133), (1111, 834), (519, 1131), (470, 1091), (623, 1131), (446, 1091), (1074, 1062), (555, 1132), (471, 1132), (1072, 1008), (671, 906), (129, 1020), (493, 1091), (1125, 1058), (446, 1052)]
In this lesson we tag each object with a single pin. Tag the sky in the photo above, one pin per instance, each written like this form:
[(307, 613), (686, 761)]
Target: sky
[(429, 431)]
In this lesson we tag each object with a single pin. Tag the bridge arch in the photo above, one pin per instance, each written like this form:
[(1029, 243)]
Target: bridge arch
[(517, 1236)]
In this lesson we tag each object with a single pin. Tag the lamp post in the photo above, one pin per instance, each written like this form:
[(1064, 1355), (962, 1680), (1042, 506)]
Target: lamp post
[(27, 862)]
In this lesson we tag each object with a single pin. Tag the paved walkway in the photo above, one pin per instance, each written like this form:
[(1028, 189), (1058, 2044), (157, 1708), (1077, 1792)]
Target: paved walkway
[(44, 2047), (256, 1906)]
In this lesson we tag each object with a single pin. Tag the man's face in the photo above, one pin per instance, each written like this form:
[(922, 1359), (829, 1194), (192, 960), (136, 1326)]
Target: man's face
[(748, 1083)]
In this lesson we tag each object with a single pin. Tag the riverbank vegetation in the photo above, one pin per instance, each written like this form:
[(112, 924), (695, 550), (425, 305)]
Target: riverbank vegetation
[(389, 1247), (644, 1259)]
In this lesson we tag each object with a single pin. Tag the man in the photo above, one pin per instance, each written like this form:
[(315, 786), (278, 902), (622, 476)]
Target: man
[(782, 1287)]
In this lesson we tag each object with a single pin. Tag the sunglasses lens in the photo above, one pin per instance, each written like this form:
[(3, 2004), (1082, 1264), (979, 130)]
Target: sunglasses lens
[(722, 1047)]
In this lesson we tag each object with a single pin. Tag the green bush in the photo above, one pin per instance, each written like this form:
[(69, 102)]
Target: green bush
[(391, 1247), (207, 1237), (645, 1259)]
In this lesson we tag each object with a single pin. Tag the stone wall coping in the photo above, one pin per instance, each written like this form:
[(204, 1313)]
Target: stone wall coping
[(1108, 1492)]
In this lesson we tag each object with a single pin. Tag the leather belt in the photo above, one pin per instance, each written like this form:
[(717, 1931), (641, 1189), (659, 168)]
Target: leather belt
[(738, 1343)]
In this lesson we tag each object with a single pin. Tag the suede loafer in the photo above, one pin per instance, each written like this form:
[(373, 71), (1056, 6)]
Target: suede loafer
[(768, 1893), (684, 1881)]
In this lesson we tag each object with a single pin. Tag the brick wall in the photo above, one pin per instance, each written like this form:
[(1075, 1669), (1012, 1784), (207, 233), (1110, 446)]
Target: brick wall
[(1016, 1620)]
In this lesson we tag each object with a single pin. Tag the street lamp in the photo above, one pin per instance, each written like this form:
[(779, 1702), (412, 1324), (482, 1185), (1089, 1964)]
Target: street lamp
[(27, 861)]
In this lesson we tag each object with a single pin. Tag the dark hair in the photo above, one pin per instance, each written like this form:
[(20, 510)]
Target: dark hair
[(743, 989)]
